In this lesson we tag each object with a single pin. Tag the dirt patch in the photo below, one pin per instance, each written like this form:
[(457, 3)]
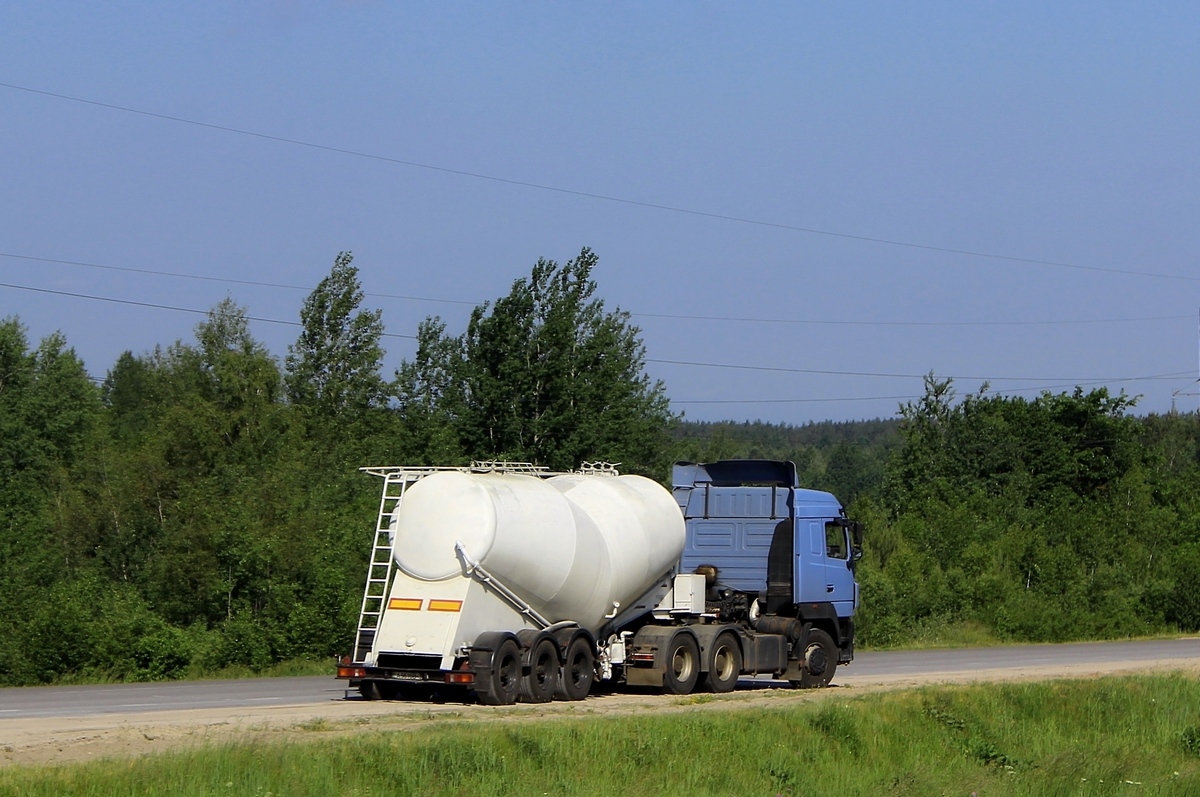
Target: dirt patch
[(73, 739)]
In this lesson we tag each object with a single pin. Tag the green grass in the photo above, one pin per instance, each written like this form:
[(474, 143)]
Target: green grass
[(1118, 736), (283, 669), (937, 633), (941, 634)]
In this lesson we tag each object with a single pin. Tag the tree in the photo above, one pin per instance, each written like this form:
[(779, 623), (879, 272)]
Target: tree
[(546, 374), (49, 413), (1035, 451), (333, 368), (432, 396), (1038, 517)]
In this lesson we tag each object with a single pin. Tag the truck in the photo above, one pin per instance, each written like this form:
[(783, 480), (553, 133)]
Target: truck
[(510, 582)]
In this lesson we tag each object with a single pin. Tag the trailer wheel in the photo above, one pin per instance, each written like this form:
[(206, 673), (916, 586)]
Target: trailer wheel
[(683, 664), (819, 661), (503, 679), (538, 685), (725, 665), (578, 670)]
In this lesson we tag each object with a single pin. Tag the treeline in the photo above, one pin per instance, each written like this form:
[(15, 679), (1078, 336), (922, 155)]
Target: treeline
[(201, 507), (846, 458), (1046, 519)]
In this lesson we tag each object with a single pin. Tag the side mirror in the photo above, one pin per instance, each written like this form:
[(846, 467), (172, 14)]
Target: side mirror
[(856, 540)]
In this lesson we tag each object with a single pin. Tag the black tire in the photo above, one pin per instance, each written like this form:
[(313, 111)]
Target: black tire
[(369, 690), (538, 685), (725, 664), (818, 661), (503, 679), (683, 664), (578, 670)]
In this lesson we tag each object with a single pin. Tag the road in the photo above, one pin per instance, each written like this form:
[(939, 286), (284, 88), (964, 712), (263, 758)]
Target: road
[(887, 667)]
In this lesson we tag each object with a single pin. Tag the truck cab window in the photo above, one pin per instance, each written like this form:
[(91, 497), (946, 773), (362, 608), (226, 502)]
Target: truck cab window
[(835, 541)]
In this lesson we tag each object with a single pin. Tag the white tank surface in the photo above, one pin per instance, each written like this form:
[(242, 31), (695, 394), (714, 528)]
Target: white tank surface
[(570, 546)]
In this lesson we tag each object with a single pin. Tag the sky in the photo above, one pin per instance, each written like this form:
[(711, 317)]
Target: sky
[(805, 206)]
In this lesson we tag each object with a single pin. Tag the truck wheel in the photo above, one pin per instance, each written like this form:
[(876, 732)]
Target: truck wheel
[(819, 662), (369, 690), (683, 664), (725, 665), (503, 681), (578, 670), (538, 685)]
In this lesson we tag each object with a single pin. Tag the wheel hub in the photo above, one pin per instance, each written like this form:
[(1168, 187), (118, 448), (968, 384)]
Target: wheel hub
[(815, 660)]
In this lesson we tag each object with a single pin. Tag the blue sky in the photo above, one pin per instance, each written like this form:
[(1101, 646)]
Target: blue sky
[(1063, 133)]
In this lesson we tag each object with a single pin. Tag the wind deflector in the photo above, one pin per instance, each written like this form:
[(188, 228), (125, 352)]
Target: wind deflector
[(736, 473)]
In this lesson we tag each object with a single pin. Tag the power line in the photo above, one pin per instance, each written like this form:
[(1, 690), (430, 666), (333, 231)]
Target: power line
[(863, 323), (1042, 389), (743, 319), (167, 307), (225, 280), (691, 363), (595, 196), (884, 375)]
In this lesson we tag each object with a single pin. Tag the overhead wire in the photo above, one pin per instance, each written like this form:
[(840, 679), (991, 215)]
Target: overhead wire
[(689, 363), (887, 375), (168, 307), (1006, 391), (593, 195), (224, 280), (670, 316), (608, 198)]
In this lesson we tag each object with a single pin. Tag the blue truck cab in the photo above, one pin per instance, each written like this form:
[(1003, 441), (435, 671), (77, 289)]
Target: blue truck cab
[(783, 555)]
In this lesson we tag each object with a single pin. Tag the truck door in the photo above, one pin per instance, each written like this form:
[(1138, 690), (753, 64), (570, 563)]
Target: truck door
[(822, 565), (839, 577)]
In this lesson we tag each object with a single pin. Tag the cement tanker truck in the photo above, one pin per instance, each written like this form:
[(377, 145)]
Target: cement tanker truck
[(516, 583)]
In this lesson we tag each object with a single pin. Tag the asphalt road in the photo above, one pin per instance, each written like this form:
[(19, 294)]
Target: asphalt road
[(91, 701)]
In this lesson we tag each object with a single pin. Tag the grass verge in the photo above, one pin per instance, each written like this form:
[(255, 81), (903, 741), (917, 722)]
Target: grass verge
[(283, 669), (1117, 736), (941, 634)]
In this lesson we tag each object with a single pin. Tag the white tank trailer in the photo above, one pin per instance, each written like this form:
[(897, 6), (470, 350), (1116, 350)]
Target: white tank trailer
[(520, 584)]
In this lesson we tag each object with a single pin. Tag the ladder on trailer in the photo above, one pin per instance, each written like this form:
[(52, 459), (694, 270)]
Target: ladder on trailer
[(379, 569)]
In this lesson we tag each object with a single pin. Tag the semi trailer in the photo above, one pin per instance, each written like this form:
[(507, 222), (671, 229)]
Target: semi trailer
[(517, 583)]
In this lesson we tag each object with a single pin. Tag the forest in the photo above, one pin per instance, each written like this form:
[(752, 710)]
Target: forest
[(200, 507)]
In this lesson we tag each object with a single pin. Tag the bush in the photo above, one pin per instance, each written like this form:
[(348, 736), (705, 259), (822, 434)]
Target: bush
[(240, 641), (1183, 600)]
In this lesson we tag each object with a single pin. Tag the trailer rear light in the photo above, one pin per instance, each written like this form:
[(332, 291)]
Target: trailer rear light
[(408, 604), (445, 606), (642, 657), (351, 672), (460, 677)]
